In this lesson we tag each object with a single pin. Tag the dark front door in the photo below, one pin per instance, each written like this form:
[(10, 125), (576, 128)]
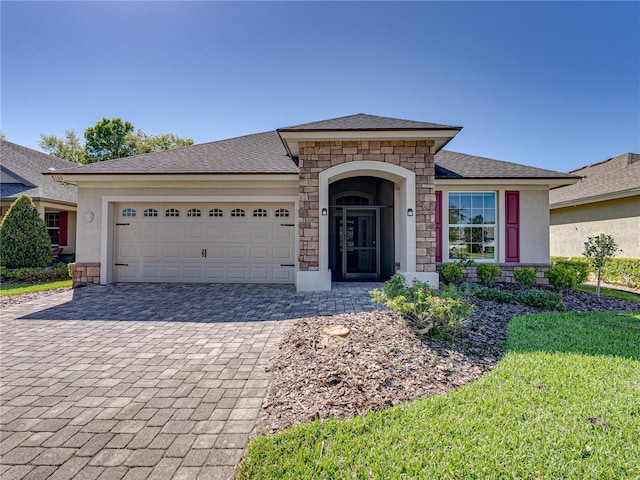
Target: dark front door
[(359, 239)]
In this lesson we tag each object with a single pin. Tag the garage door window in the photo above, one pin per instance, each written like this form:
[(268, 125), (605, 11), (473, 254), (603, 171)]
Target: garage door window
[(216, 212), (194, 212), (237, 212), (129, 212), (259, 212), (150, 212), (282, 212), (172, 212)]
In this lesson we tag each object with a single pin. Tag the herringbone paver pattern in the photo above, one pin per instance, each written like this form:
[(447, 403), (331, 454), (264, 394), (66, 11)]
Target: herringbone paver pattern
[(143, 381)]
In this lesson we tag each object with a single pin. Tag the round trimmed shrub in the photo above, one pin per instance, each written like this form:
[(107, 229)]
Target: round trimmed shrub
[(488, 272), (451, 273), (24, 237)]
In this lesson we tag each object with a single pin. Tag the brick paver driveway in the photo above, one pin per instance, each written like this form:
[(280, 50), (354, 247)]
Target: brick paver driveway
[(143, 381)]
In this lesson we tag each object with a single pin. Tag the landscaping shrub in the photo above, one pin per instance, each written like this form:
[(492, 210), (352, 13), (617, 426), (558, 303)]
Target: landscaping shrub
[(426, 309), (23, 236), (488, 272), (599, 250), (580, 266), (542, 299), (451, 273), (525, 277), (622, 270), (37, 275), (562, 277), (486, 293)]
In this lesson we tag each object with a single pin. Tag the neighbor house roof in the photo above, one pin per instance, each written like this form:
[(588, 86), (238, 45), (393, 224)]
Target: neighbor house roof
[(452, 165), (362, 121), (21, 172), (616, 177)]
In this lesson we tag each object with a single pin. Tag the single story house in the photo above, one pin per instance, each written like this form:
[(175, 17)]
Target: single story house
[(605, 200), (352, 198), (21, 172)]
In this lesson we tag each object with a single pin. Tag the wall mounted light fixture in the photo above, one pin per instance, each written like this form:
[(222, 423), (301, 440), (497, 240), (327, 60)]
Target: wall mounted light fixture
[(409, 212), (324, 212)]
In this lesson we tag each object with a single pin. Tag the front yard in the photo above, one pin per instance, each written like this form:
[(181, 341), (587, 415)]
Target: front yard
[(562, 403)]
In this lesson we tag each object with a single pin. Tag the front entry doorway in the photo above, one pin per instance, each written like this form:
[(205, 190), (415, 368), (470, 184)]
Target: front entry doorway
[(361, 229), (358, 243)]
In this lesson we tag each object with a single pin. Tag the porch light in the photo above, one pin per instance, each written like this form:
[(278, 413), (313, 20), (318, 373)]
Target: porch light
[(324, 212), (409, 212)]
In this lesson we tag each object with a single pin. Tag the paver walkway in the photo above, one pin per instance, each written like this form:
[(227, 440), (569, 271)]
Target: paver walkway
[(143, 381)]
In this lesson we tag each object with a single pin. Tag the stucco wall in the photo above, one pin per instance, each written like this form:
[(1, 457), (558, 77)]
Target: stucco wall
[(570, 226), (90, 199)]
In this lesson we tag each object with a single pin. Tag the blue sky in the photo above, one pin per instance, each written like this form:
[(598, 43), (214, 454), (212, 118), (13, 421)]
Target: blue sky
[(549, 84)]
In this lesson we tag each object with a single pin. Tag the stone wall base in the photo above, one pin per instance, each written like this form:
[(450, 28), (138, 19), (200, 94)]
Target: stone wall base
[(507, 272), (85, 273)]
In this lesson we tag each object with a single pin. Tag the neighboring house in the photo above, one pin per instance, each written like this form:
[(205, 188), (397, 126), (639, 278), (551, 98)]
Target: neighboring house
[(352, 198), (605, 200), (21, 172)]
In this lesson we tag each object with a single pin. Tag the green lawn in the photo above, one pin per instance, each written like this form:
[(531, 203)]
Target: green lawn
[(10, 289), (611, 292), (564, 402)]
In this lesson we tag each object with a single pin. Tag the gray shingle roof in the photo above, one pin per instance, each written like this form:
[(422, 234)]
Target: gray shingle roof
[(618, 176), (451, 165), (362, 121), (28, 165), (261, 153), (264, 153)]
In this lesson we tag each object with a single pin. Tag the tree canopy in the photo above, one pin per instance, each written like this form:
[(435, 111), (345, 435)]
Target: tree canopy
[(107, 139)]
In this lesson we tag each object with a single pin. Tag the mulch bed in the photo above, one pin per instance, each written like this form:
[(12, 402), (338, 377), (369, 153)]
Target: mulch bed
[(382, 363)]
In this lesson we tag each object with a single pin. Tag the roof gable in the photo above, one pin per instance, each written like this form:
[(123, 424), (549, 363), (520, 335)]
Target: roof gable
[(362, 121)]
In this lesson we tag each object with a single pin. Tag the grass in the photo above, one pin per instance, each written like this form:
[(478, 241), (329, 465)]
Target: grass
[(17, 289), (610, 292), (564, 402)]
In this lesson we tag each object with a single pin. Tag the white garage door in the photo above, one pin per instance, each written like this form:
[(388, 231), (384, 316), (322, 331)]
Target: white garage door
[(204, 243)]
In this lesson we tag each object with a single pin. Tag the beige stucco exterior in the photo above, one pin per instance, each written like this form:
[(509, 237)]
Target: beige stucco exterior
[(571, 226)]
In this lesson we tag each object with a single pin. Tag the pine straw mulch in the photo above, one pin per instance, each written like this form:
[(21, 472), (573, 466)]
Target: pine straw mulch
[(382, 363)]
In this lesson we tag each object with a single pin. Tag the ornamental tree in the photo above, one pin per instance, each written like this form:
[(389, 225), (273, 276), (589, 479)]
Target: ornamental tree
[(599, 250), (24, 240)]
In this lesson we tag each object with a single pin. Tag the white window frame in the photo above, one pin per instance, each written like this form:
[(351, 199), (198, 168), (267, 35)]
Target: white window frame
[(449, 226)]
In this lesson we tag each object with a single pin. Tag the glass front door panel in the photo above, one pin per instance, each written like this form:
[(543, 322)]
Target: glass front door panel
[(360, 258)]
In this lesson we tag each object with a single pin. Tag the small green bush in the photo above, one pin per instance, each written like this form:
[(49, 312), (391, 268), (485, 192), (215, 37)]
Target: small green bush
[(581, 268), (562, 277), (486, 293), (525, 277), (426, 309), (451, 273), (38, 275), (488, 272), (542, 299), (23, 236)]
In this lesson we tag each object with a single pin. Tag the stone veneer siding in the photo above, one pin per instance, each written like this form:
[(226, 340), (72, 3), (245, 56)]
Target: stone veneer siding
[(506, 276), (85, 273), (417, 156)]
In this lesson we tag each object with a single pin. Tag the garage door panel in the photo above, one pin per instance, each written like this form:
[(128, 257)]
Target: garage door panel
[(283, 253), (216, 249), (259, 274), (260, 253), (171, 251), (150, 252)]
